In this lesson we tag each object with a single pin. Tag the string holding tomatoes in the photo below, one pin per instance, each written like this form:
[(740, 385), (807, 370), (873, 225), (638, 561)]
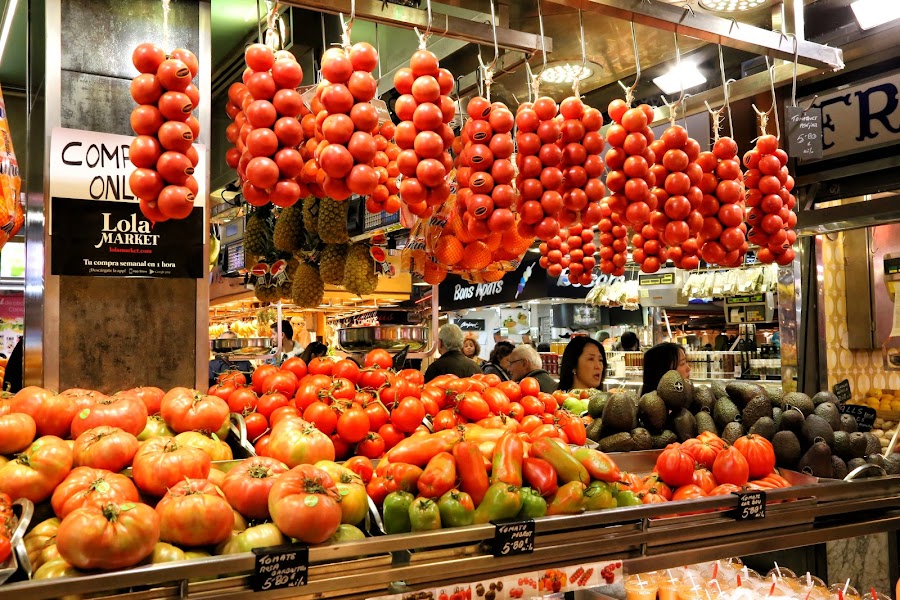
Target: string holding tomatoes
[(771, 217)]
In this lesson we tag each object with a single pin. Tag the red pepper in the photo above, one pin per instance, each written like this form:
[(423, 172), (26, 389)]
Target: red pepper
[(439, 476), (471, 470), (508, 456), (540, 475)]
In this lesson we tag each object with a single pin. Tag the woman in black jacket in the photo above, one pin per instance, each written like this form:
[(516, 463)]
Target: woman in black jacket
[(492, 365)]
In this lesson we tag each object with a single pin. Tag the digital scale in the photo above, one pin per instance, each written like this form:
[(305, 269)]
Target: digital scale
[(757, 308)]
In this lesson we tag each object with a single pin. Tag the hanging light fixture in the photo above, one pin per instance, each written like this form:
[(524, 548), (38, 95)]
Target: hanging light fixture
[(733, 5), (566, 73)]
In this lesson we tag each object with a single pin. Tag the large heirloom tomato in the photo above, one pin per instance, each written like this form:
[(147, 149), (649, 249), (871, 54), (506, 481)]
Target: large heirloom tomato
[(189, 410), (247, 485), (112, 537), (17, 431), (125, 411), (161, 462), (38, 470), (194, 513), (85, 486), (150, 396), (294, 442), (675, 467), (704, 452), (105, 447), (304, 504), (213, 446), (759, 452), (52, 413), (731, 467)]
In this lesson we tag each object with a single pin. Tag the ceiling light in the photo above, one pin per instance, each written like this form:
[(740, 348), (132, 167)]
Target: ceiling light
[(732, 5), (422, 284), (7, 25), (869, 13), (682, 77), (566, 73)]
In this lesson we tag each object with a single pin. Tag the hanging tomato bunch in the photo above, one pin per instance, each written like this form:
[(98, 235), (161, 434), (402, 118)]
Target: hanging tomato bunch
[(236, 94), (771, 217), (629, 160), (385, 197), (612, 238), (540, 176), (572, 249), (424, 135), (581, 164), (163, 151), (723, 237)]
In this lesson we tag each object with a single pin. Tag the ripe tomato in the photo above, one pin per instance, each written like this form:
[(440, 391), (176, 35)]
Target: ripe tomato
[(408, 414), (162, 462), (304, 504), (112, 537), (705, 480), (371, 446), (391, 435), (282, 381), (703, 452), (36, 472), (247, 485), (17, 431), (320, 366), (242, 399), (675, 467), (377, 413), (123, 410), (362, 466), (194, 512), (260, 375), (85, 486), (256, 425), (353, 425), (760, 454), (530, 386), (270, 402), (322, 416), (147, 57), (730, 466), (379, 358), (295, 442), (184, 409), (105, 447), (346, 369), (473, 406), (52, 414)]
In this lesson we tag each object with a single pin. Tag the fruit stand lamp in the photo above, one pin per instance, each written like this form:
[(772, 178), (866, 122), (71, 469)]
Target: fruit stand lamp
[(683, 76), (733, 5), (566, 73), (872, 13)]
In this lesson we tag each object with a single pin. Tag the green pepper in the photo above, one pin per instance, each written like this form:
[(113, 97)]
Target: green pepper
[(598, 465), (457, 509), (598, 496), (567, 466), (627, 498), (533, 505), (501, 501), (396, 512), (568, 499), (424, 515)]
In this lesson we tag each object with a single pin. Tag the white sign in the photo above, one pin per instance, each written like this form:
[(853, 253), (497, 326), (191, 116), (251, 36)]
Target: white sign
[(859, 117), (87, 165)]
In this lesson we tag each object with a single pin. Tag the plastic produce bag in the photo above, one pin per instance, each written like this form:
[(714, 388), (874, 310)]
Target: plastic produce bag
[(12, 215)]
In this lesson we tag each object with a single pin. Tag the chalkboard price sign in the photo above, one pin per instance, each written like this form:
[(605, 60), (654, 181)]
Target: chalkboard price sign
[(804, 132), (865, 416), (513, 538), (842, 390), (279, 567), (751, 505)]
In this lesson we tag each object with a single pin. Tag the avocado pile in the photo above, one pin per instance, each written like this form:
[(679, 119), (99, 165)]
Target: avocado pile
[(807, 433)]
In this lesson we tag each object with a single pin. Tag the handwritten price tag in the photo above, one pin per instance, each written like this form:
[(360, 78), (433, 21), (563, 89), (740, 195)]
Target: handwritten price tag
[(804, 132), (279, 567), (513, 538), (751, 505), (865, 416), (842, 390)]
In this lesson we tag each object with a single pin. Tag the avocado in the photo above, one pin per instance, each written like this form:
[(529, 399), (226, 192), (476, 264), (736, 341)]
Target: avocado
[(732, 431), (892, 464), (816, 427), (755, 410), (776, 416), (642, 439), (848, 424), (704, 398), (619, 414), (674, 390), (705, 423), (724, 412), (817, 461), (842, 445), (875, 459), (791, 420), (652, 412), (801, 401), (858, 444), (787, 449), (764, 427), (873, 446), (776, 395), (838, 467), (830, 413), (684, 424), (823, 397), (718, 388), (597, 403), (855, 463), (664, 439), (741, 392), (594, 430), (618, 442)]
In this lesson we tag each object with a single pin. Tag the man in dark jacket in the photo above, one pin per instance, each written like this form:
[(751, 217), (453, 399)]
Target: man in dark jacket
[(452, 360), (524, 362)]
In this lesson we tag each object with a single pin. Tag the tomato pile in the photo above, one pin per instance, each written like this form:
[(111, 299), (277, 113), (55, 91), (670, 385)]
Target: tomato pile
[(723, 237), (163, 153), (771, 216), (6, 526)]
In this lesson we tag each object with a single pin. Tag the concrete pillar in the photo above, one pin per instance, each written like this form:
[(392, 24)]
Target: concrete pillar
[(110, 333)]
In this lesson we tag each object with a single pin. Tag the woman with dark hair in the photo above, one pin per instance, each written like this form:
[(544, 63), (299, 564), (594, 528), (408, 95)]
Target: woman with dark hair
[(659, 360), (471, 349), (314, 350), (492, 365), (583, 365)]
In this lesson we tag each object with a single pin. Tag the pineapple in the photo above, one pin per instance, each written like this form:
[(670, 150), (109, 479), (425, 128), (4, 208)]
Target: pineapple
[(331, 263), (258, 234), (332, 221), (308, 290), (359, 271), (311, 214), (289, 229)]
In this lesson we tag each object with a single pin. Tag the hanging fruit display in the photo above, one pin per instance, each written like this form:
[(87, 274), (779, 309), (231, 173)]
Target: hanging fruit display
[(771, 217), (385, 197), (723, 236), (540, 176), (612, 241), (163, 151)]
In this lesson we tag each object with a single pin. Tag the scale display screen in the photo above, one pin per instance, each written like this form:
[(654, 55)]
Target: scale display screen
[(234, 257)]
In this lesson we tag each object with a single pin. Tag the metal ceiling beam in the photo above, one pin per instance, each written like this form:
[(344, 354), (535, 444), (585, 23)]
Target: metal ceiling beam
[(442, 25), (849, 216), (714, 30)]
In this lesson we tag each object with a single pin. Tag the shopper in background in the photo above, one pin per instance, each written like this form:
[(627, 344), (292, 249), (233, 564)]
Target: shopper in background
[(15, 367), (471, 349), (289, 347), (452, 360), (659, 360), (314, 350), (629, 342), (493, 365), (583, 365), (544, 347), (524, 362), (218, 365)]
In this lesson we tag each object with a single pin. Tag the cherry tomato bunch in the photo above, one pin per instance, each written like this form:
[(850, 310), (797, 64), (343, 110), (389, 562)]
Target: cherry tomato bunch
[(385, 197), (612, 240), (540, 176), (236, 93), (424, 136), (771, 217), (163, 151), (572, 249), (345, 120), (270, 130), (485, 176), (723, 237), (629, 160)]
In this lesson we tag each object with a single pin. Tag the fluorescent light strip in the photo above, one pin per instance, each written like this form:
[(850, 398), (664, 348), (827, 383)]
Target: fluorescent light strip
[(872, 13), (684, 77), (7, 25)]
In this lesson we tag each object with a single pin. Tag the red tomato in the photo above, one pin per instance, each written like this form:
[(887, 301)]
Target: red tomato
[(530, 386), (256, 425), (760, 454), (282, 381), (194, 512), (408, 414), (473, 406), (322, 416), (105, 447), (705, 480), (371, 446), (242, 399), (704, 452), (260, 375), (184, 409), (17, 431), (377, 413), (161, 462), (304, 504), (85, 486), (675, 467), (689, 492), (112, 537), (123, 410), (346, 369), (320, 366), (362, 466), (379, 358), (730, 466), (52, 414), (38, 470), (296, 366), (247, 485), (295, 442), (268, 403), (391, 435), (353, 425)]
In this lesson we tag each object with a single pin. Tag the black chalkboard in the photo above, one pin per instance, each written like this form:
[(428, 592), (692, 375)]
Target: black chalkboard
[(279, 567), (865, 416), (842, 390), (751, 505), (513, 538), (804, 132)]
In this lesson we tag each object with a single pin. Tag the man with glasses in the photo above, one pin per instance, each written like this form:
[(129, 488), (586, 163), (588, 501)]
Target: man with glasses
[(524, 362)]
